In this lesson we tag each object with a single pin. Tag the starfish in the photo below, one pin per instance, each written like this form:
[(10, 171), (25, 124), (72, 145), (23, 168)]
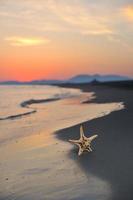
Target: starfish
[(84, 143)]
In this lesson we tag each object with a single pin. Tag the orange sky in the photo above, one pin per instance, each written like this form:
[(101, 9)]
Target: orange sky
[(59, 39)]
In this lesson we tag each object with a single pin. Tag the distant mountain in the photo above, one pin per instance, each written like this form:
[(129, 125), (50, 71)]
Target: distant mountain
[(83, 78), (34, 82), (10, 83), (45, 82)]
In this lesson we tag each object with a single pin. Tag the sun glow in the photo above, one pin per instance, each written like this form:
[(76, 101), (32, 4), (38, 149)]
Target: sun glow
[(128, 11), (24, 41)]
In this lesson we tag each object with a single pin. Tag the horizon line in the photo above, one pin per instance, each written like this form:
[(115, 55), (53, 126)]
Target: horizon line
[(65, 79)]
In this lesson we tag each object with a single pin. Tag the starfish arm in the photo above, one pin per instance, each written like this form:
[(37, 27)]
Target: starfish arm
[(92, 137), (74, 141), (80, 150), (90, 149), (82, 136)]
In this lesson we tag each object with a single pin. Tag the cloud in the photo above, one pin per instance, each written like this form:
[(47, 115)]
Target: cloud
[(58, 16), (85, 19), (26, 41), (98, 32), (92, 18)]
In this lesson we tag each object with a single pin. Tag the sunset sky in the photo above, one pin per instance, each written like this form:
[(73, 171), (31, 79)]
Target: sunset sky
[(46, 39)]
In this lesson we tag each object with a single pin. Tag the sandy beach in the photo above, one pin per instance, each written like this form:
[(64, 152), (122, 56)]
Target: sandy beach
[(37, 163), (111, 159)]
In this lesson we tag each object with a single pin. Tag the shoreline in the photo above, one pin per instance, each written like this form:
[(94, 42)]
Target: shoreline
[(43, 165), (111, 159)]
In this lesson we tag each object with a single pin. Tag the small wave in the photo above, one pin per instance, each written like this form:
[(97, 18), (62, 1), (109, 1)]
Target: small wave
[(18, 115), (26, 104)]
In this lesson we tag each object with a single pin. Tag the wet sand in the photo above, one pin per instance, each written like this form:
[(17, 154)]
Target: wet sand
[(112, 158)]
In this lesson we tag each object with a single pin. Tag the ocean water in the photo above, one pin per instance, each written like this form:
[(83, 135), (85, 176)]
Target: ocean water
[(34, 164)]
